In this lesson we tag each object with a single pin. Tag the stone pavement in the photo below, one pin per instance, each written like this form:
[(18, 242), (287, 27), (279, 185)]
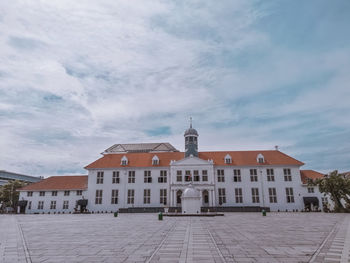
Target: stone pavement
[(235, 237), (12, 248), (340, 246)]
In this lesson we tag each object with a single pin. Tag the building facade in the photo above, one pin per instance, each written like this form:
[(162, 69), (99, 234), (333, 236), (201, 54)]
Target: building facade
[(149, 177), (56, 194)]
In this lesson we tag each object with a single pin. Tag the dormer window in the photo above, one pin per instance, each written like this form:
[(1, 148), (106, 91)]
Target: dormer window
[(260, 158), (155, 160), (124, 160), (228, 159)]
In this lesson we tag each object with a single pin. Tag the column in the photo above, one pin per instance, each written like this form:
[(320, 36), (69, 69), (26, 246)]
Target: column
[(214, 198), (209, 197), (173, 197)]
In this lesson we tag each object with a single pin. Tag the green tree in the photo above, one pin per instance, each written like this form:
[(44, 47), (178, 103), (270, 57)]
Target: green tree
[(337, 186), (9, 194)]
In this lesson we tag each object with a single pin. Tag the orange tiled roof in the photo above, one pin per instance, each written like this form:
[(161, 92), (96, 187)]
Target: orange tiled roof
[(309, 174), (73, 182), (239, 158)]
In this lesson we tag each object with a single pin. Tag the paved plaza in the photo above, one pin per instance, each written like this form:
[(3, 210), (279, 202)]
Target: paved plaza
[(235, 237)]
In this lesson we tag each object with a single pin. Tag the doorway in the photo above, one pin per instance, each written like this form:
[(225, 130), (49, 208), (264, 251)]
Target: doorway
[(205, 198), (178, 197)]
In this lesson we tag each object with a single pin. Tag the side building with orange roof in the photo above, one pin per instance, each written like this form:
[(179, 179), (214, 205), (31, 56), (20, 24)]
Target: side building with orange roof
[(56, 194)]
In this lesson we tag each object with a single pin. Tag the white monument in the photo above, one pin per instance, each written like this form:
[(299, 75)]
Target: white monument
[(191, 200)]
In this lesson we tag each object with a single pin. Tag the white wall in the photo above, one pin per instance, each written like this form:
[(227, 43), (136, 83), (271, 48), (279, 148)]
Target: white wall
[(197, 164), (123, 187), (262, 183), (72, 198), (172, 184)]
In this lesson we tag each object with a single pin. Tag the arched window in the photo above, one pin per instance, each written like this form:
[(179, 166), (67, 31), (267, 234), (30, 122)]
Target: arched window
[(260, 158), (228, 159), (155, 160), (124, 160)]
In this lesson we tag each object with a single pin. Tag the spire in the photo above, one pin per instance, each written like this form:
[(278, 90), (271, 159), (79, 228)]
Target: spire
[(191, 141)]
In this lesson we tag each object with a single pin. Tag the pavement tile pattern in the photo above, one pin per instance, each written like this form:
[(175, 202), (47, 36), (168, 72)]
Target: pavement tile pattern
[(339, 250), (235, 237)]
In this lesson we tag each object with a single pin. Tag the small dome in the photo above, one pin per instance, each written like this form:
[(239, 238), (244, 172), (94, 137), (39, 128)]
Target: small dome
[(190, 192), (191, 131)]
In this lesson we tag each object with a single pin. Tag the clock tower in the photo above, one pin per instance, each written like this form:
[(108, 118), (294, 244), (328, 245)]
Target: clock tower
[(191, 141)]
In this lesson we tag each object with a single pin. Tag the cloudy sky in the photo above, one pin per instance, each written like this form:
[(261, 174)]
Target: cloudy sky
[(79, 76)]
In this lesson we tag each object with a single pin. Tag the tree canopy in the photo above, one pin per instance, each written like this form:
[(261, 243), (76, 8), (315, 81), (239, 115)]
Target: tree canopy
[(9, 194), (337, 186)]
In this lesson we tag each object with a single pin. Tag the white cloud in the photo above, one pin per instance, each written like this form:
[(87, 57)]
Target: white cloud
[(77, 77)]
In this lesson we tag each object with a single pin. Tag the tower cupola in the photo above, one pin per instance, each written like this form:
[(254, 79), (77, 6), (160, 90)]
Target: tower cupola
[(191, 141)]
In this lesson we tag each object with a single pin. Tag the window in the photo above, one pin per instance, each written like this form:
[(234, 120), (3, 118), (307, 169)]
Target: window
[(287, 175), (147, 177), (253, 175), (195, 176), (255, 195), (66, 193), (131, 196), (188, 176), (124, 161), (238, 195), (53, 205), (98, 199), (155, 160), (65, 204), (163, 196), (99, 178), (115, 177), (290, 195), (54, 193), (147, 196), (272, 195), (29, 193), (270, 175), (237, 175), (178, 176), (42, 193), (260, 158), (204, 175), (228, 159), (310, 190), (222, 196), (131, 177), (41, 205), (29, 205), (79, 192), (221, 176), (163, 177), (114, 199)]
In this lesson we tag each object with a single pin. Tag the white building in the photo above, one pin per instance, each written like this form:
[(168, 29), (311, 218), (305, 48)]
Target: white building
[(56, 194), (150, 176)]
